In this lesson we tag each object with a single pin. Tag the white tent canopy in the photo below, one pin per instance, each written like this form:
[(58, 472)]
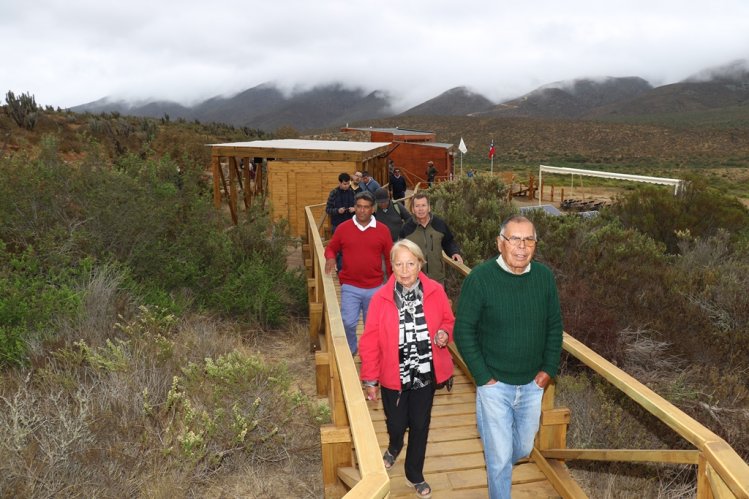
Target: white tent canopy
[(619, 176)]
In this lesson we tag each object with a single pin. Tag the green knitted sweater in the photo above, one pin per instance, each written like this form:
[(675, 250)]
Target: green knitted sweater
[(509, 327)]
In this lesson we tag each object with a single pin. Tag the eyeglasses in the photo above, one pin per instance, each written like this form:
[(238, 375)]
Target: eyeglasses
[(529, 241)]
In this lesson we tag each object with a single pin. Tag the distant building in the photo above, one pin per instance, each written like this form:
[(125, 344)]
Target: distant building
[(411, 149)]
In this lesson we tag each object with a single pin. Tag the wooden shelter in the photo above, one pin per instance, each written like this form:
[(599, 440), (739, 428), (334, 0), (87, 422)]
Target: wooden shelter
[(292, 173)]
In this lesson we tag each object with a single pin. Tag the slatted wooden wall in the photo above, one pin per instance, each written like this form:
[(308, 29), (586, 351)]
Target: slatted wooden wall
[(292, 185)]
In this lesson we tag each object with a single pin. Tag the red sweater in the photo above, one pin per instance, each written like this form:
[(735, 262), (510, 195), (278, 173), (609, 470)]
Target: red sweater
[(362, 253), (378, 346)]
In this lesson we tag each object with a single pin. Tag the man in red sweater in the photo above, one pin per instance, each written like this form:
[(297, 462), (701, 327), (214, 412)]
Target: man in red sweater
[(364, 244)]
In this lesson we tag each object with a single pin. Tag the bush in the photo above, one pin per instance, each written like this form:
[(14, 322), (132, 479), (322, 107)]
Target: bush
[(155, 224), (698, 210), (473, 208)]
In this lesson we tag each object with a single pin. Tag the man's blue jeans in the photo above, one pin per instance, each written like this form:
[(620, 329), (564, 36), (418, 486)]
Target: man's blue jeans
[(508, 419), (354, 301)]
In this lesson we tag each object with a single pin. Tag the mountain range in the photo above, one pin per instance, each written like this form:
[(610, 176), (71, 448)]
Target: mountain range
[(265, 107)]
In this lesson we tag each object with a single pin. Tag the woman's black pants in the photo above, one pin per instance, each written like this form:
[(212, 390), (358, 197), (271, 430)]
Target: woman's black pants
[(409, 410)]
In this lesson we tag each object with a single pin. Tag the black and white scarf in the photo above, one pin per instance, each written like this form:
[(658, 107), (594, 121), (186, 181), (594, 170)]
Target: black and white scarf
[(414, 350)]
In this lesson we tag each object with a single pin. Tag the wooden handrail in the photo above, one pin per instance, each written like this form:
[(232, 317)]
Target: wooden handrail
[(723, 461), (375, 482)]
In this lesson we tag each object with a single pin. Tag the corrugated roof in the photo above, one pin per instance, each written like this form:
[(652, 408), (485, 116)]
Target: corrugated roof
[(318, 145), (394, 131), (441, 145)]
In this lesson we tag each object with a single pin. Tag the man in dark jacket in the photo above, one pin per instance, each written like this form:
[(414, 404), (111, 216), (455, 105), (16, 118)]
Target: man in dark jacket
[(398, 184), (391, 213), (431, 173), (340, 207), (432, 235)]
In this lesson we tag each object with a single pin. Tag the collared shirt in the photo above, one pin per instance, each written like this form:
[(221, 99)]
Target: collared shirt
[(505, 267), (372, 223)]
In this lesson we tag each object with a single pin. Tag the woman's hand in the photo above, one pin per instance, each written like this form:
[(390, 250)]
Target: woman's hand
[(371, 393), (441, 338)]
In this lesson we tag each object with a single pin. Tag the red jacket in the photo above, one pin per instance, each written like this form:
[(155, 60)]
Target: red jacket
[(378, 346)]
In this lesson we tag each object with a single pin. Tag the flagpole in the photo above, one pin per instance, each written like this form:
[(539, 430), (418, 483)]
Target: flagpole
[(491, 157), (463, 149)]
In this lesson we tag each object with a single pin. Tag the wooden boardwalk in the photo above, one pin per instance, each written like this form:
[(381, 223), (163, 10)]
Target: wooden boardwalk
[(454, 465)]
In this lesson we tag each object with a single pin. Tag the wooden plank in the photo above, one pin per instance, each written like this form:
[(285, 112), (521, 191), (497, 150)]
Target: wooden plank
[(349, 475), (330, 434), (558, 475), (557, 416), (718, 487), (440, 464), (443, 422), (453, 434), (437, 411), (625, 455)]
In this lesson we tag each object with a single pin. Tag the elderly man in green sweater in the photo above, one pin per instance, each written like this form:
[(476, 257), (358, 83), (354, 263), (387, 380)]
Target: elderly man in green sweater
[(508, 329)]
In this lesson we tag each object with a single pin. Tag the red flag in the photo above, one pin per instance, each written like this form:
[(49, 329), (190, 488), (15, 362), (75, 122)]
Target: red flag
[(491, 150)]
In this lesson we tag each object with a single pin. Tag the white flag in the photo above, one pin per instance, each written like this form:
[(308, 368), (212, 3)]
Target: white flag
[(462, 146)]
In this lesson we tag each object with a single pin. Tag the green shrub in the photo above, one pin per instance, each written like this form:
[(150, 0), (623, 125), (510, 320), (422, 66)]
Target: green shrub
[(474, 208), (700, 210), (32, 294)]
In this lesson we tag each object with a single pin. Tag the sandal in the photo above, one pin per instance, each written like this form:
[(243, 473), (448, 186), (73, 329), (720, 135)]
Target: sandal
[(388, 459), (423, 489)]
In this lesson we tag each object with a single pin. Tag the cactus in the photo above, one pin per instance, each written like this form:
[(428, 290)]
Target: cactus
[(22, 109)]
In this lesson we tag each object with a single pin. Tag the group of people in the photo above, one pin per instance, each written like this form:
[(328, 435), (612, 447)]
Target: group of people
[(508, 326)]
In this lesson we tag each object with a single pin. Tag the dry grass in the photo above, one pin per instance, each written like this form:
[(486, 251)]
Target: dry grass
[(160, 407), (604, 418)]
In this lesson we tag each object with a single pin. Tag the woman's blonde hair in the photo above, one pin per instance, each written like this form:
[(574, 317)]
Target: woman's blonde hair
[(410, 246)]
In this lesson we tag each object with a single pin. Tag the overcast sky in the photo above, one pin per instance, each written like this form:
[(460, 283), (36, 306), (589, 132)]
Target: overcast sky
[(69, 52)]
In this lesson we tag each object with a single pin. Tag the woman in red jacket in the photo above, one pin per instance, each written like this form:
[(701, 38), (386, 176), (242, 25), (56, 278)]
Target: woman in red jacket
[(402, 350)]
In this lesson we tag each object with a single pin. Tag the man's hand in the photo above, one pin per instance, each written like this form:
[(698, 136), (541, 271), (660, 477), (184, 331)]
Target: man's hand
[(329, 265), (457, 258), (542, 379), (491, 381)]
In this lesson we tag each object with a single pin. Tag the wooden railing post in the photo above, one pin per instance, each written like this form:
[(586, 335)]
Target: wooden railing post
[(703, 484), (552, 433), (336, 453)]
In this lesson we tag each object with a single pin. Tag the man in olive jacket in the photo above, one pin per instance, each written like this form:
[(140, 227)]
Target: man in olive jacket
[(432, 235)]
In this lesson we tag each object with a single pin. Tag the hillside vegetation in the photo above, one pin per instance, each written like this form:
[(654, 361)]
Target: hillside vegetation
[(129, 311)]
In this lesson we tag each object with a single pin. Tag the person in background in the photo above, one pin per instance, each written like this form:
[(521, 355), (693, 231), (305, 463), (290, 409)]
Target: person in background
[(509, 332), (431, 173), (364, 243), (403, 350), (432, 235), (391, 213), (355, 181), (340, 207), (368, 183), (398, 184)]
